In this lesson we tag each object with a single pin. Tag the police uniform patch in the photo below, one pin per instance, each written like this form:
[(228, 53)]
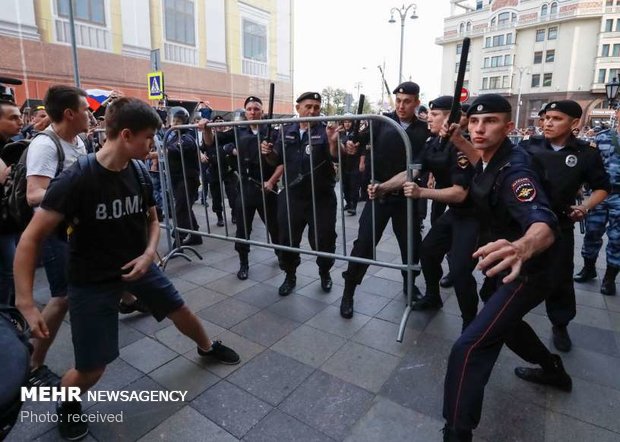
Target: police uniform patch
[(571, 160), (479, 107), (524, 190), (461, 160)]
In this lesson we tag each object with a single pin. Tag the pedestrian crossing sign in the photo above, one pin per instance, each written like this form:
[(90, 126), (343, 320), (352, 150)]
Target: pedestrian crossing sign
[(156, 85)]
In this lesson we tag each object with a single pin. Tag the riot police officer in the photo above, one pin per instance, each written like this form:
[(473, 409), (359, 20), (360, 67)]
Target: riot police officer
[(456, 230), (563, 164), (605, 214), (307, 152), (389, 162), (517, 227), (258, 179)]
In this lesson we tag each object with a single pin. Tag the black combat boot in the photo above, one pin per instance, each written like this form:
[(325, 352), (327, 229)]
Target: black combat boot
[(346, 304), (326, 281), (588, 272), (220, 219), (553, 375), (446, 282), (432, 301), (242, 274), (288, 285), (608, 286)]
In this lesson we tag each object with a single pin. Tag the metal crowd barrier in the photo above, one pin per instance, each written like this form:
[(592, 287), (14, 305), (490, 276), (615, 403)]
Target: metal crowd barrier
[(170, 222)]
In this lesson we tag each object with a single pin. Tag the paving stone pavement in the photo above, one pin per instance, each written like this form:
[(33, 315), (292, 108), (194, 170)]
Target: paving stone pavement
[(309, 375)]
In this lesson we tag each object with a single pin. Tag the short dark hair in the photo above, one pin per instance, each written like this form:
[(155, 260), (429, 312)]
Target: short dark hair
[(59, 98), (129, 113)]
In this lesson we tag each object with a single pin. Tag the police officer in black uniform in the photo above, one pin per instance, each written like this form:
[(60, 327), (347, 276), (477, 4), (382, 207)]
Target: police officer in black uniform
[(389, 163), (308, 155), (564, 163), (517, 228), (258, 179), (455, 230)]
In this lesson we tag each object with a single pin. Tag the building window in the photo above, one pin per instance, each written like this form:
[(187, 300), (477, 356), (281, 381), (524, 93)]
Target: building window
[(550, 56), (485, 83), (617, 25), (613, 73), (179, 20), (459, 49), (503, 19), (543, 10), (461, 28), (601, 75), (553, 33), (547, 79), (505, 82), (487, 62), (507, 60), (458, 64), (605, 51), (609, 25), (616, 51), (540, 35), (468, 27), (495, 82), (508, 39), (537, 57), (554, 9), (535, 80), (487, 42), (254, 41), (493, 21), (92, 11), (609, 3), (498, 40)]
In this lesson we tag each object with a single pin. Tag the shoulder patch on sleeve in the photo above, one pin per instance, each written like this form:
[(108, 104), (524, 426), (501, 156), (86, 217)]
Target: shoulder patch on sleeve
[(524, 190), (461, 160)]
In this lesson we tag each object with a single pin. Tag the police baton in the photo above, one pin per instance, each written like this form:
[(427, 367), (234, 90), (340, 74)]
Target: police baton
[(455, 111)]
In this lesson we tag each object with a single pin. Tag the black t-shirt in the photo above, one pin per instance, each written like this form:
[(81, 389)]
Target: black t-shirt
[(107, 213)]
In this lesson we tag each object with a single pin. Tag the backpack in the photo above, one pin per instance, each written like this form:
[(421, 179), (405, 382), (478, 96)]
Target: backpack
[(14, 200), (15, 363)]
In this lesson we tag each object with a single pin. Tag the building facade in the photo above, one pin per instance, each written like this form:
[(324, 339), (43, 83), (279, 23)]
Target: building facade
[(218, 51), (540, 50)]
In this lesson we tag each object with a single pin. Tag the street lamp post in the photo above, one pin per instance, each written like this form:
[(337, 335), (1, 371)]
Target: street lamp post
[(402, 12), (611, 90), (522, 71)]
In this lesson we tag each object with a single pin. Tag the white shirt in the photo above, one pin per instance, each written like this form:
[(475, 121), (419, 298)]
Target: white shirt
[(42, 159)]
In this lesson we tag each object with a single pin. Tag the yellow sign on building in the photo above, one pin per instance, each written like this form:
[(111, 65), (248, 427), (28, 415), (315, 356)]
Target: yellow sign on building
[(156, 85)]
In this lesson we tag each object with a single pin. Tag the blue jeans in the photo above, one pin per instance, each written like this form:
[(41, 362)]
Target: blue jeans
[(8, 243), (56, 262)]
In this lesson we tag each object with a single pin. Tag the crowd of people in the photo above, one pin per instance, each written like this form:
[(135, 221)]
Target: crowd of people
[(507, 210)]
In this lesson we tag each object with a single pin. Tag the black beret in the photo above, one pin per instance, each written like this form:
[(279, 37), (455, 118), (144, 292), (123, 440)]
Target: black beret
[(542, 110), (408, 87), (568, 107), (489, 104), (252, 99), (422, 109), (441, 103), (465, 107), (308, 96)]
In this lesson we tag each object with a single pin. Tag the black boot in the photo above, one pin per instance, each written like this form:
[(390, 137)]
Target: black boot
[(446, 281), (588, 271), (454, 435), (608, 286), (416, 294), (561, 339), (326, 281), (192, 240), (242, 274), (288, 285), (428, 302), (553, 375), (346, 304), (220, 219)]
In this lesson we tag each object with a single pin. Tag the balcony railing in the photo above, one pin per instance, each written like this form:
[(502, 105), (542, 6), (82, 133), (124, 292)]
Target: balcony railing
[(87, 35), (255, 68), (177, 53)]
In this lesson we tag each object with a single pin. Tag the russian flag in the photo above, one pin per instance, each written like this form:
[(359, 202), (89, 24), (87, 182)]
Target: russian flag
[(96, 97)]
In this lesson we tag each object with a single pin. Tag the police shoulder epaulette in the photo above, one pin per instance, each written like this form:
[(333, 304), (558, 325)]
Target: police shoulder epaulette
[(525, 138), (593, 144)]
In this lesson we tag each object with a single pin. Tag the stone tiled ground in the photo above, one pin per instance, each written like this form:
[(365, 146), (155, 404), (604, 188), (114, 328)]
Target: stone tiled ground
[(309, 375)]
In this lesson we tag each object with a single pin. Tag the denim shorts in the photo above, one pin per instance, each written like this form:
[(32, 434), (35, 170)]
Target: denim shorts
[(94, 314), (55, 254)]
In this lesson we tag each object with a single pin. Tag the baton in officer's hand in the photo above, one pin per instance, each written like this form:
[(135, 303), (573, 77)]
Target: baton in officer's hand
[(455, 111)]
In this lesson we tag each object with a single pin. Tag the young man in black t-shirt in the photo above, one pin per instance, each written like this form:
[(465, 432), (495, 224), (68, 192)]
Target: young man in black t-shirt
[(107, 201)]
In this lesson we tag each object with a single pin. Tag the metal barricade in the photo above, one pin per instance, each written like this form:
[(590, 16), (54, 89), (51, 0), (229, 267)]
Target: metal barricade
[(171, 223)]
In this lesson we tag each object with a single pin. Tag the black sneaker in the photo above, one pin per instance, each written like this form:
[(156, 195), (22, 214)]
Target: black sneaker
[(221, 353), (555, 377), (43, 377), (69, 426)]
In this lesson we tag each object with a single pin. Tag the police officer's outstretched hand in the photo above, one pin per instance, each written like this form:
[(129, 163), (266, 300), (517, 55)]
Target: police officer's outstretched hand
[(411, 190), (375, 191), (499, 256), (202, 124), (351, 148)]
